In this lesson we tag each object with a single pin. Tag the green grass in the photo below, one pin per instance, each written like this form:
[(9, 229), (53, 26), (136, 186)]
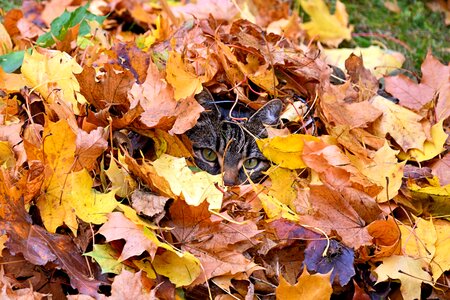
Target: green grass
[(6, 5), (416, 26)]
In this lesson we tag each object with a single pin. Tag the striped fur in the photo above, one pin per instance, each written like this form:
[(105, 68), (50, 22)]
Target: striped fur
[(232, 141)]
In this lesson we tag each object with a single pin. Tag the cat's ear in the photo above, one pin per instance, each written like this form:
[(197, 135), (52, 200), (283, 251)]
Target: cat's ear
[(269, 114), (206, 99)]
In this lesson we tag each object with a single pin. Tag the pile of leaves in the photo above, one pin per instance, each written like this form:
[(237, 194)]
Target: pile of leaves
[(99, 194)]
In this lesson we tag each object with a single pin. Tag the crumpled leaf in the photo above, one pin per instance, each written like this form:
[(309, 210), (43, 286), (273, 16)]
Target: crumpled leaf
[(386, 236), (52, 74), (408, 270), (327, 28), (338, 260), (316, 286), (181, 76), (194, 188)]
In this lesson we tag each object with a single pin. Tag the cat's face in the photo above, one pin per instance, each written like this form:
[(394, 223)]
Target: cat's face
[(222, 144)]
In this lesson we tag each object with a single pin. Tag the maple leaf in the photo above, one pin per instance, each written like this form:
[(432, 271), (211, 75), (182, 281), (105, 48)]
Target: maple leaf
[(338, 260), (434, 83), (386, 236), (329, 29), (57, 83), (441, 260), (218, 246), (408, 270), (378, 60), (106, 256), (419, 240), (286, 151), (384, 165), (316, 286), (161, 110), (139, 239), (181, 76), (335, 168), (402, 124), (129, 285), (440, 169), (194, 188), (119, 227)]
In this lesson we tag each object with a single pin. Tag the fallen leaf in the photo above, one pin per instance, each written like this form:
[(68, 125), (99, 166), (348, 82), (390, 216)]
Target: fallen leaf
[(119, 227), (316, 286), (57, 83), (386, 234), (419, 240), (408, 270), (440, 169), (194, 188), (182, 77), (384, 170), (379, 61), (402, 124), (286, 151), (431, 148), (441, 259), (338, 259), (327, 28), (107, 257)]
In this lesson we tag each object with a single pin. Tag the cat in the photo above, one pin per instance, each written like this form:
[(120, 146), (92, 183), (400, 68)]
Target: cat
[(226, 144)]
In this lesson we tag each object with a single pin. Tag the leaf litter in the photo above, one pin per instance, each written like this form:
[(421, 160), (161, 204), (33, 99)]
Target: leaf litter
[(99, 196)]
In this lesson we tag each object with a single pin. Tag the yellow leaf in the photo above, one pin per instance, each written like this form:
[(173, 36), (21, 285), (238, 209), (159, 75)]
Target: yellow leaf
[(5, 41), (182, 77), (419, 241), (441, 260), (401, 123), (384, 164), (379, 61), (7, 159), (408, 270), (11, 82), (89, 205), (283, 184), (194, 188), (59, 150), (51, 73), (120, 179), (182, 268), (329, 29), (275, 209), (433, 148), (285, 151), (3, 239), (316, 286)]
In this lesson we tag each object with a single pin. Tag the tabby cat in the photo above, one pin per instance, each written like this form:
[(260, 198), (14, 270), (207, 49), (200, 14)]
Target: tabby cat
[(224, 138)]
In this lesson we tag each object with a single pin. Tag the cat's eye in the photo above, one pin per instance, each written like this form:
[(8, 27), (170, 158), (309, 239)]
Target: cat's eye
[(209, 154), (251, 163)]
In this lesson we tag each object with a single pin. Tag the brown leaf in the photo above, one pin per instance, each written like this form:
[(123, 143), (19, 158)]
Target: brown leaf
[(119, 227), (89, 147), (329, 208), (440, 169), (365, 81)]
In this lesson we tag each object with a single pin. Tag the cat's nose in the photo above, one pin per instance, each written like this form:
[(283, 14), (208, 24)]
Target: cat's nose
[(230, 178)]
